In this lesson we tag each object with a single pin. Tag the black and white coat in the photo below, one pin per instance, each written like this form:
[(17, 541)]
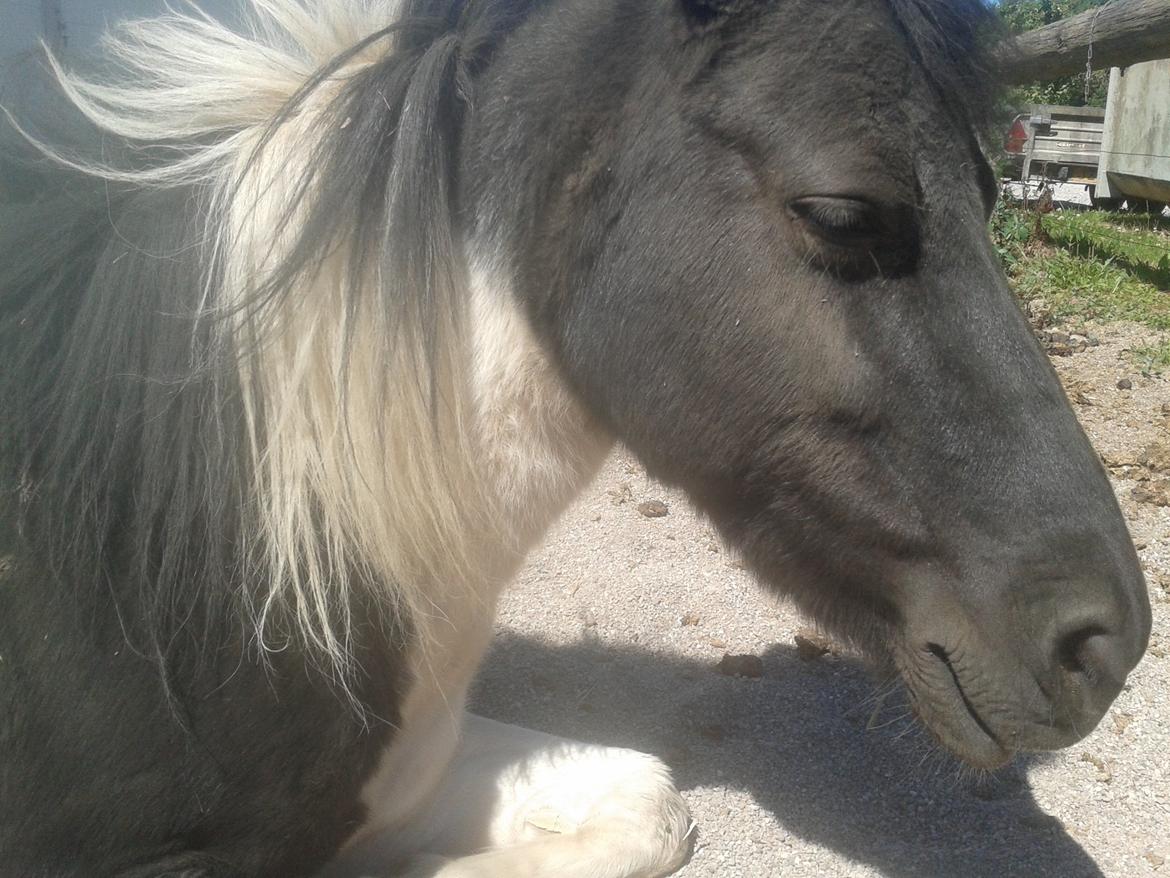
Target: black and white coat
[(350, 304)]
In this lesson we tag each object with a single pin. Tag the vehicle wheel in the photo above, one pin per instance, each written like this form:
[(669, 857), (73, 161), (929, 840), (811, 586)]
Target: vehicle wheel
[(1111, 204)]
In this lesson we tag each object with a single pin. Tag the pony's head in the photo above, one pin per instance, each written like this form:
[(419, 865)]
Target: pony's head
[(749, 234), (767, 269)]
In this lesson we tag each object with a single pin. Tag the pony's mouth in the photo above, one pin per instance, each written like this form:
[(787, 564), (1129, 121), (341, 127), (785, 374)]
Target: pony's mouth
[(946, 706)]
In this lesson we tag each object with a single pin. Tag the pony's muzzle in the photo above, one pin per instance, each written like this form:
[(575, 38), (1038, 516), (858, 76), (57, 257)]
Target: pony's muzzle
[(1033, 665)]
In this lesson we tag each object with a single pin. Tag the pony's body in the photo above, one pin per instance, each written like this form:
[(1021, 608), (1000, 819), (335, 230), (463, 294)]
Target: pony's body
[(289, 395)]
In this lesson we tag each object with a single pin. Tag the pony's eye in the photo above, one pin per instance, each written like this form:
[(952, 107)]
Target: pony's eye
[(855, 238), (848, 222)]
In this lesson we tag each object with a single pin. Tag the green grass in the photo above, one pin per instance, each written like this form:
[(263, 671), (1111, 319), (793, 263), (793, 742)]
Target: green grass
[(1080, 288), (1011, 230), (1091, 267), (1144, 252)]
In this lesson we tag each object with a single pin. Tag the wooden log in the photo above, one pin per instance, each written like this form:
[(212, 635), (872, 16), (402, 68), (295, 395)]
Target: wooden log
[(1121, 33)]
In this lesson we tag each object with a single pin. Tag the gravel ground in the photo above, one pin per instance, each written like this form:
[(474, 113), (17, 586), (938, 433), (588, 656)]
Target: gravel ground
[(616, 627), (1063, 193)]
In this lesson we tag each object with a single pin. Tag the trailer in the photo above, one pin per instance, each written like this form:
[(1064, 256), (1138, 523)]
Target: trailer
[(1052, 142), (1120, 152)]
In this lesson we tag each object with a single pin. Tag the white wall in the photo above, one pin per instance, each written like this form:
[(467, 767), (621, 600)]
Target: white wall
[(1135, 158), (20, 20), (22, 81)]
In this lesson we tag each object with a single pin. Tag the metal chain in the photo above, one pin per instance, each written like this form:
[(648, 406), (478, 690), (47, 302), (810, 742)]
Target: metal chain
[(1089, 60)]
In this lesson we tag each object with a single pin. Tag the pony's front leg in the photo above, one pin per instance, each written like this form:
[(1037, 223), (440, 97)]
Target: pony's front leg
[(538, 806)]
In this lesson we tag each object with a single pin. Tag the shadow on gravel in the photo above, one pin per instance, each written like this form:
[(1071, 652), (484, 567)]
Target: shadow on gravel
[(797, 741)]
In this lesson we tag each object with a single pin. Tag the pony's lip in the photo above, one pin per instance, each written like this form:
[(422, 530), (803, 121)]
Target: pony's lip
[(946, 708)]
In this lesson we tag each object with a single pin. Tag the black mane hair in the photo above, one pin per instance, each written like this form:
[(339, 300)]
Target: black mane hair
[(952, 41)]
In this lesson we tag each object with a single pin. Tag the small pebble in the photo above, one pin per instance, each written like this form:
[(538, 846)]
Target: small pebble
[(1121, 722), (811, 644), (621, 494), (1125, 384), (654, 509), (1104, 772)]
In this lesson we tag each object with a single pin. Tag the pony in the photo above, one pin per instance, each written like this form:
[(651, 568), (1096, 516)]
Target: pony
[(311, 325)]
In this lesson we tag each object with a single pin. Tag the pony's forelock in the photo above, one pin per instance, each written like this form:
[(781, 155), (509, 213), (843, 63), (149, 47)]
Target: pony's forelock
[(952, 42)]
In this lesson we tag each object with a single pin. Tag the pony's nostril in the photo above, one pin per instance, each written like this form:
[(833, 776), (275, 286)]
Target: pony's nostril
[(1094, 665), (1071, 653), (1105, 660)]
